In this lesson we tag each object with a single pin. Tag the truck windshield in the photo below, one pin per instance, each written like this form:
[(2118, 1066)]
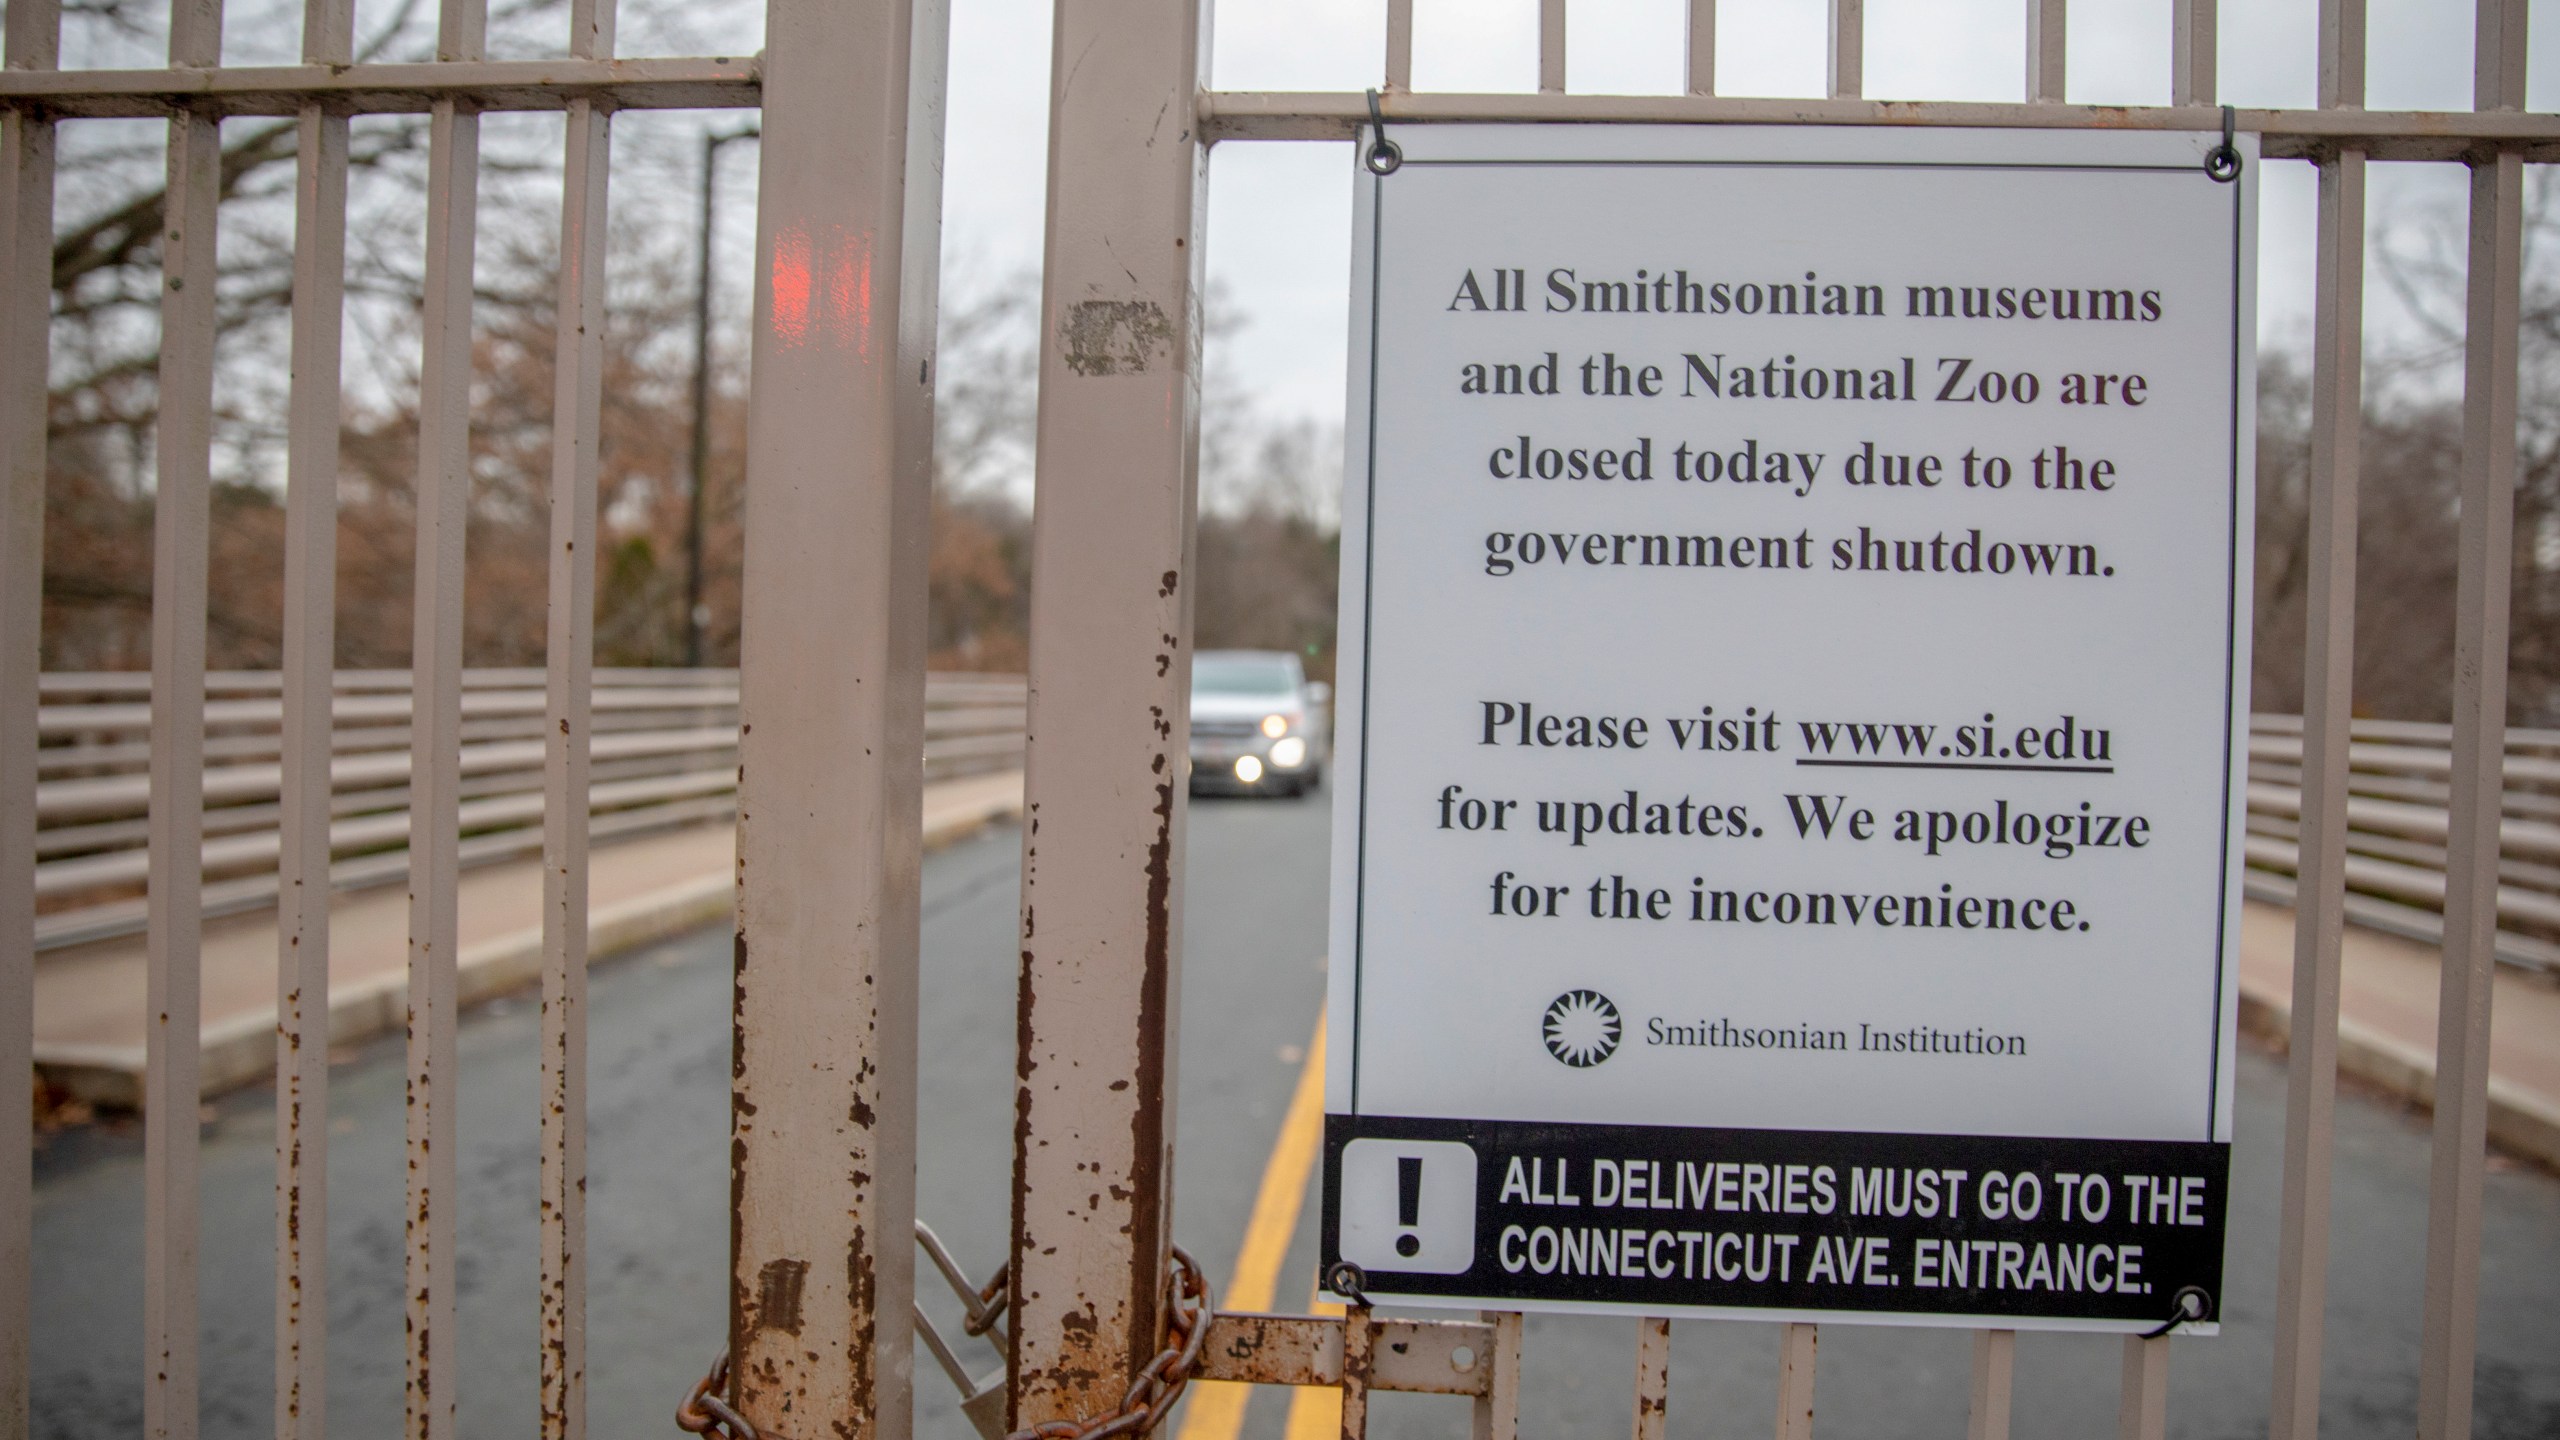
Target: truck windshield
[(1243, 675)]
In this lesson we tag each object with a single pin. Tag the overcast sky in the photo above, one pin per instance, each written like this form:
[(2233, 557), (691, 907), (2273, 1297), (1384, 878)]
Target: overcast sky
[(1279, 213)]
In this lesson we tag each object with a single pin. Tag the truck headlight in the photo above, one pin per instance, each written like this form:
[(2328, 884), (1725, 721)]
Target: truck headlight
[(1248, 769), (1275, 726), (1289, 754)]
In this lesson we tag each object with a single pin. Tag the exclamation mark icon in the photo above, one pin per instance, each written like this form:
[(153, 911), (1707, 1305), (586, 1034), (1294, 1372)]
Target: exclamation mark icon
[(1408, 1204)]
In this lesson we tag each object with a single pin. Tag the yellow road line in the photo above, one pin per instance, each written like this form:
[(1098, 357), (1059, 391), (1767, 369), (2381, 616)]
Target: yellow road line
[(1216, 1409)]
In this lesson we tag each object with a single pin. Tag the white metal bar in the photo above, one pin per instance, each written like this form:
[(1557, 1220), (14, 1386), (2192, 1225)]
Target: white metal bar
[(2342, 54), (2048, 31), (2311, 1083), (1700, 63), (832, 706), (1653, 1378), (443, 511), (1796, 1347), (2486, 549), (1551, 39), (2282, 134), (2194, 51), (2142, 1406), (1846, 72), (577, 409), (307, 742), (407, 88), (181, 526), (1496, 1413), (1995, 1364), (1112, 552), (33, 38), (1399, 44)]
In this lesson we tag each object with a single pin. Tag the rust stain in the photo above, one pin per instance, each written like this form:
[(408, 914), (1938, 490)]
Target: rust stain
[(741, 1120), (1025, 995), (1115, 337), (1146, 1120), (779, 1286)]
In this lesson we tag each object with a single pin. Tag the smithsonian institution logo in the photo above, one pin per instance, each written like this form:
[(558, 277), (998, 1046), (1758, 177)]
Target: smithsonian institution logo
[(1582, 1028)]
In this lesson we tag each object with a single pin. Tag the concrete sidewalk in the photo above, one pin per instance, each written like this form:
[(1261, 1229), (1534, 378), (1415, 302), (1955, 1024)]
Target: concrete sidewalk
[(2387, 991), (90, 1000)]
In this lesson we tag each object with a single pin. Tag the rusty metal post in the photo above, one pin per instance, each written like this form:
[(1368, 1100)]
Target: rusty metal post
[(435, 734), (181, 530), (831, 699), (1653, 1378), (1797, 1344), (1359, 1362), (305, 732), (577, 427), (1109, 704), (1497, 1411)]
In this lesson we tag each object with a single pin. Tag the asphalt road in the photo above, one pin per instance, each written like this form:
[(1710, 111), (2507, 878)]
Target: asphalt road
[(1251, 987)]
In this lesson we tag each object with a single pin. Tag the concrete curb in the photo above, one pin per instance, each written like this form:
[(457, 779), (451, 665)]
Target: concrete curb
[(241, 1050), (2524, 1124)]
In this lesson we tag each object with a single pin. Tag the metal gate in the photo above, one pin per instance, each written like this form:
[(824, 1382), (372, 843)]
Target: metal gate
[(833, 687)]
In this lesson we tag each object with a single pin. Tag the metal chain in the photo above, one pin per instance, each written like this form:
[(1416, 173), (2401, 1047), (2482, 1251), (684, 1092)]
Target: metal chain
[(1149, 1399), (1161, 1384), (704, 1411)]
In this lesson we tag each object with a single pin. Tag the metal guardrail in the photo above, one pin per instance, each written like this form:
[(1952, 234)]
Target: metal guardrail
[(665, 754), (2399, 782)]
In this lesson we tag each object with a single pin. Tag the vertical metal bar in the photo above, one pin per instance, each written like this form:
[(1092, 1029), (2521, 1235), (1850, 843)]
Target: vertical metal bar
[(2337, 418), (2142, 1407), (2341, 81), (443, 512), (1653, 1378), (1399, 44), (2048, 31), (1359, 1347), (1796, 1345), (309, 685), (1995, 1363), (577, 406), (180, 528), (1109, 701), (1700, 76), (1497, 1411), (33, 36), (822, 1270), (2194, 52), (1848, 49), (1551, 47), (2486, 550)]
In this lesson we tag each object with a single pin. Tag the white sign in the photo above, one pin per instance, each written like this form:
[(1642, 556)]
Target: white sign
[(1792, 722)]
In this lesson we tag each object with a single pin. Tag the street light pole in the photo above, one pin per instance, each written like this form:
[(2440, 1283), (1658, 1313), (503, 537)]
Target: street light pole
[(694, 616)]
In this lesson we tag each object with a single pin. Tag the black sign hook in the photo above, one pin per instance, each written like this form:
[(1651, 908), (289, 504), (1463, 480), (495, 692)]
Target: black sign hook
[(1384, 156), (2222, 162), (2190, 1303)]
